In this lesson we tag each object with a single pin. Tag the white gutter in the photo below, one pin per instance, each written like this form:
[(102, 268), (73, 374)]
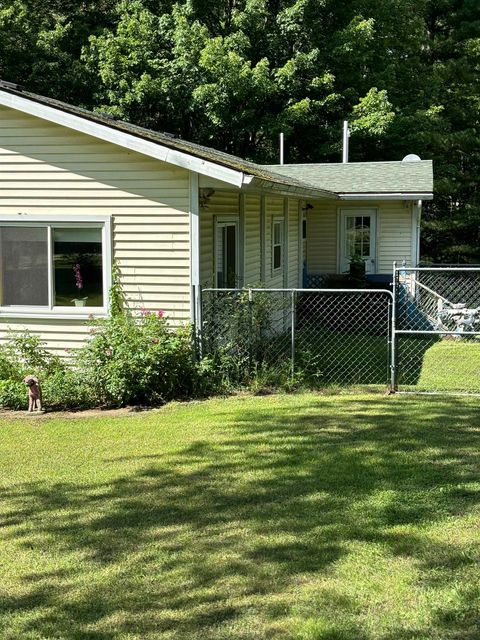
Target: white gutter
[(386, 196), (419, 221)]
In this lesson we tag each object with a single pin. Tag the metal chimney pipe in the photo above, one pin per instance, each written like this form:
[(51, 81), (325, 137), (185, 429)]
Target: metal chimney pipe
[(346, 136), (281, 148)]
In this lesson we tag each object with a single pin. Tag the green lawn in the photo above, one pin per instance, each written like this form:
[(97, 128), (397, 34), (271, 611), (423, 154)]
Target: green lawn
[(304, 517), (439, 365)]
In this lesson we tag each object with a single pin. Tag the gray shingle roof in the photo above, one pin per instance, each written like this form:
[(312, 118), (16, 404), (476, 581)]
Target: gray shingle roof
[(364, 177)]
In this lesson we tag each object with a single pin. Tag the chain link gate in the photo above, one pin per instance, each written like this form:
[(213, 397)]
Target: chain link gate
[(323, 336), (436, 329)]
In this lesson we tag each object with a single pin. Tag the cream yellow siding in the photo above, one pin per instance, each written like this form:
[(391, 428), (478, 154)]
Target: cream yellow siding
[(293, 244), (394, 235), (248, 209), (46, 169), (394, 239), (322, 237), (252, 249), (221, 203)]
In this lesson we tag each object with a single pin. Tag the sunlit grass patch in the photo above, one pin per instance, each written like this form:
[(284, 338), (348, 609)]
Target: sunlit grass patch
[(304, 517)]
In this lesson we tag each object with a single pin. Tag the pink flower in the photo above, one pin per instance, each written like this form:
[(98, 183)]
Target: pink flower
[(92, 330), (160, 314), (91, 316), (144, 312), (78, 277), (67, 350)]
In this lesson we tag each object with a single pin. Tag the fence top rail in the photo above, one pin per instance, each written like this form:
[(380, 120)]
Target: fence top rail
[(434, 293), (253, 289), (449, 269), (439, 332)]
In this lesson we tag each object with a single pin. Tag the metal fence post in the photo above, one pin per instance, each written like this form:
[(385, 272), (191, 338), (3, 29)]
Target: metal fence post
[(393, 356), (250, 327), (293, 313)]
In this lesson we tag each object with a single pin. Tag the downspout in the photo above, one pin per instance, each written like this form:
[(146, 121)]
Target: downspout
[(419, 217)]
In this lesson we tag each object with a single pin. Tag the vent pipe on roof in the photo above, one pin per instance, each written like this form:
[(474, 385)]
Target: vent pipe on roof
[(346, 136), (281, 148)]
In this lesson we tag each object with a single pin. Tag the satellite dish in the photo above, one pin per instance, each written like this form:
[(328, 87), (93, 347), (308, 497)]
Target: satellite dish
[(412, 157)]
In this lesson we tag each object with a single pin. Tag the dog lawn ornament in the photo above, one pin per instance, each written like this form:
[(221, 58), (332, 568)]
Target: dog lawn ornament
[(34, 393)]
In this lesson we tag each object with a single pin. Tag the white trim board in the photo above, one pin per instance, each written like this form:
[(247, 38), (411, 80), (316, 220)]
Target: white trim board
[(155, 150), (386, 196), (123, 139)]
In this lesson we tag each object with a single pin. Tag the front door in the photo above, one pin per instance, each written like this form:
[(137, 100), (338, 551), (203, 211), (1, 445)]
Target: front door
[(357, 238), (226, 254)]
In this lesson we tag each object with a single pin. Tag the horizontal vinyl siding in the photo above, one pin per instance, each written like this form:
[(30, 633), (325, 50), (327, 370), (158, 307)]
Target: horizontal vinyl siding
[(222, 203), (252, 251), (46, 169), (293, 258), (58, 335), (322, 237), (394, 236)]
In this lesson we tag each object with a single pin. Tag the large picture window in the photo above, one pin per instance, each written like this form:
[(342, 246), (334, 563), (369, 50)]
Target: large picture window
[(53, 266)]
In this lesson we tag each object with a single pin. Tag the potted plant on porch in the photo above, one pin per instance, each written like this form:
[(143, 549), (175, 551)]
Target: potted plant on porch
[(357, 269)]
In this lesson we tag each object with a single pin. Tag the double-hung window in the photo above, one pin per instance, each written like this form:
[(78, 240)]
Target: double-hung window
[(277, 244), (49, 266)]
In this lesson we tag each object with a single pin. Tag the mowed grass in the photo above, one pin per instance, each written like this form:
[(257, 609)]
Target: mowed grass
[(304, 517), (447, 365)]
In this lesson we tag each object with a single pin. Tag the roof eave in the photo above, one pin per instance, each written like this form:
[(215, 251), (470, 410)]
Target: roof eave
[(115, 136), (254, 183), (395, 195)]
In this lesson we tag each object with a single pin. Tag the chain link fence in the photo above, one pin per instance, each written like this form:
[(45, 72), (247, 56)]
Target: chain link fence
[(318, 336), (437, 329), (422, 337)]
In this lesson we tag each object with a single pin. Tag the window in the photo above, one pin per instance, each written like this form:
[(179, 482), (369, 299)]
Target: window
[(358, 236), (53, 266), (227, 254), (277, 245)]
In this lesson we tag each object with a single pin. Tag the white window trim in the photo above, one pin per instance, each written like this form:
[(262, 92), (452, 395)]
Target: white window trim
[(220, 221), (342, 213), (281, 221), (50, 311)]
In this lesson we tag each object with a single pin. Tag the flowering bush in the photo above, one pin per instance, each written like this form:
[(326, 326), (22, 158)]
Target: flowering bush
[(128, 359), (137, 360)]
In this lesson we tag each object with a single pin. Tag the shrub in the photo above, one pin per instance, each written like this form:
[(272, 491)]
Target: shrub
[(137, 360), (25, 354)]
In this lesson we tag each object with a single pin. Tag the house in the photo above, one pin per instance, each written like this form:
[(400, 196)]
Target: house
[(81, 191)]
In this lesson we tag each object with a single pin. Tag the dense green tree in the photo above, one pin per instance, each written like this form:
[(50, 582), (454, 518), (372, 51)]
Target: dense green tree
[(235, 73)]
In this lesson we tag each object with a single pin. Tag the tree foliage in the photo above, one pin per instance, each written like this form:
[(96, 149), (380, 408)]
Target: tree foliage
[(235, 73)]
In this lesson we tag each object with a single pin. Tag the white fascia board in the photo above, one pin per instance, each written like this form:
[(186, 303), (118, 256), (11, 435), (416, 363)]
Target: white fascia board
[(386, 196), (122, 139), (261, 185)]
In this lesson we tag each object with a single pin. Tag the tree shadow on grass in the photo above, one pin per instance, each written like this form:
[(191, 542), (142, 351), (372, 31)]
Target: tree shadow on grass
[(212, 541)]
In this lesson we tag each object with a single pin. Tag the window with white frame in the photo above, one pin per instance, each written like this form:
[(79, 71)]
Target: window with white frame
[(53, 266), (226, 259), (277, 245)]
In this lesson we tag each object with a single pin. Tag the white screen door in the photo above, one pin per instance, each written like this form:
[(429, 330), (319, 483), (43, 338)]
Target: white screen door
[(226, 254), (358, 238)]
